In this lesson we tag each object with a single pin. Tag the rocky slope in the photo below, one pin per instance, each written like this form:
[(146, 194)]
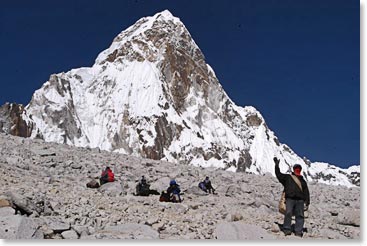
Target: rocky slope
[(151, 94), (46, 183)]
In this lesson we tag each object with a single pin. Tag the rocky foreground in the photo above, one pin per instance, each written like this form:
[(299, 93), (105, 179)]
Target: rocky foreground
[(43, 195)]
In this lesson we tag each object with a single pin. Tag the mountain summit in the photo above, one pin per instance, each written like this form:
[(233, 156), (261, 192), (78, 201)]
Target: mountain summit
[(151, 94)]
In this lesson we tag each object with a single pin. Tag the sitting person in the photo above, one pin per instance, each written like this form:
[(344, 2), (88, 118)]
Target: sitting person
[(206, 186), (142, 189), (173, 192), (107, 176)]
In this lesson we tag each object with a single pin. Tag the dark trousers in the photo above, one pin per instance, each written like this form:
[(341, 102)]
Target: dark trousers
[(296, 208)]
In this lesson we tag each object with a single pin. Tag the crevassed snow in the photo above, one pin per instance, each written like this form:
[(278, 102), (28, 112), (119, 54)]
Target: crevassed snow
[(136, 89)]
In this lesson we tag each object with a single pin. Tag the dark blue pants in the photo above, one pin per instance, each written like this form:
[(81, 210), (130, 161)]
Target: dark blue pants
[(296, 208)]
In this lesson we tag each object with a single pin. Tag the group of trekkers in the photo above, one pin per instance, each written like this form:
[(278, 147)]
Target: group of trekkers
[(296, 194), (172, 194)]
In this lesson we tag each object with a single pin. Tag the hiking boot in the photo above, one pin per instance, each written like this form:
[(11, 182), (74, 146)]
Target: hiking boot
[(287, 233), (298, 234)]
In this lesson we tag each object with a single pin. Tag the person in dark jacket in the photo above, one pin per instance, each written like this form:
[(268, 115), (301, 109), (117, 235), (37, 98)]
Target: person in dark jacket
[(143, 188), (174, 191), (107, 176), (206, 185), (297, 199)]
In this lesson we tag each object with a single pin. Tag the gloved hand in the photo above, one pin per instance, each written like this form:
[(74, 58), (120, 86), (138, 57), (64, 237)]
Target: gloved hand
[(276, 161), (306, 207)]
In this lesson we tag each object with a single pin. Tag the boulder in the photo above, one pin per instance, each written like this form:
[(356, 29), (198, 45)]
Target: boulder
[(44, 152), (111, 189), (349, 217), (6, 211), (233, 191), (76, 166), (71, 234), (160, 185), (195, 190), (236, 216), (21, 203), (126, 231), (239, 231), (18, 227), (57, 224)]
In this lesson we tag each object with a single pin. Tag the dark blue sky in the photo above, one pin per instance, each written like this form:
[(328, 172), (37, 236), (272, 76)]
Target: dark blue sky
[(297, 62)]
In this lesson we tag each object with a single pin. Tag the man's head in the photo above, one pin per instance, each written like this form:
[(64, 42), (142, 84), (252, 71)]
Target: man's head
[(297, 168)]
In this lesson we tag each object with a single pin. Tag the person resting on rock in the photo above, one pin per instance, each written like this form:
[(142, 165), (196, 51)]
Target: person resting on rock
[(297, 198), (142, 189), (174, 191), (107, 176), (206, 186)]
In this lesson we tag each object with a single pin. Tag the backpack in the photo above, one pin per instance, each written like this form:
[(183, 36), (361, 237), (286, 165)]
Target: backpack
[(93, 184), (282, 205), (165, 197), (202, 186)]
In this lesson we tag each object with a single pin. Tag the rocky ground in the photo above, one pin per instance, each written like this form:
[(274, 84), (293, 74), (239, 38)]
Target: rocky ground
[(43, 194)]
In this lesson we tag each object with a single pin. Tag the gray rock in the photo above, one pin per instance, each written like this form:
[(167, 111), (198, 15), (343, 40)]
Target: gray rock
[(76, 166), (240, 231), (330, 234), (18, 227), (6, 211), (236, 216), (9, 226), (111, 188), (195, 190), (127, 231), (349, 217), (44, 152), (233, 191), (28, 229), (80, 229), (57, 224), (152, 220), (161, 184), (71, 234), (21, 203), (194, 206)]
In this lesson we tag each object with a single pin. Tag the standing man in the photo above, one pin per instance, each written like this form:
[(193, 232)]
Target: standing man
[(297, 198)]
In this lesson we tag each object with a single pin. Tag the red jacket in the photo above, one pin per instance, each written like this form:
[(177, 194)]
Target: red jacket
[(108, 174)]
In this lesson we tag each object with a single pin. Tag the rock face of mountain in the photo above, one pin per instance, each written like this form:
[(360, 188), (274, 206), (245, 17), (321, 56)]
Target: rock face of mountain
[(12, 122), (151, 94), (46, 184)]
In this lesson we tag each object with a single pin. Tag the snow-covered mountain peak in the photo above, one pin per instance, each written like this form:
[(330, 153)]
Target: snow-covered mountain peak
[(146, 38), (166, 15), (152, 94)]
